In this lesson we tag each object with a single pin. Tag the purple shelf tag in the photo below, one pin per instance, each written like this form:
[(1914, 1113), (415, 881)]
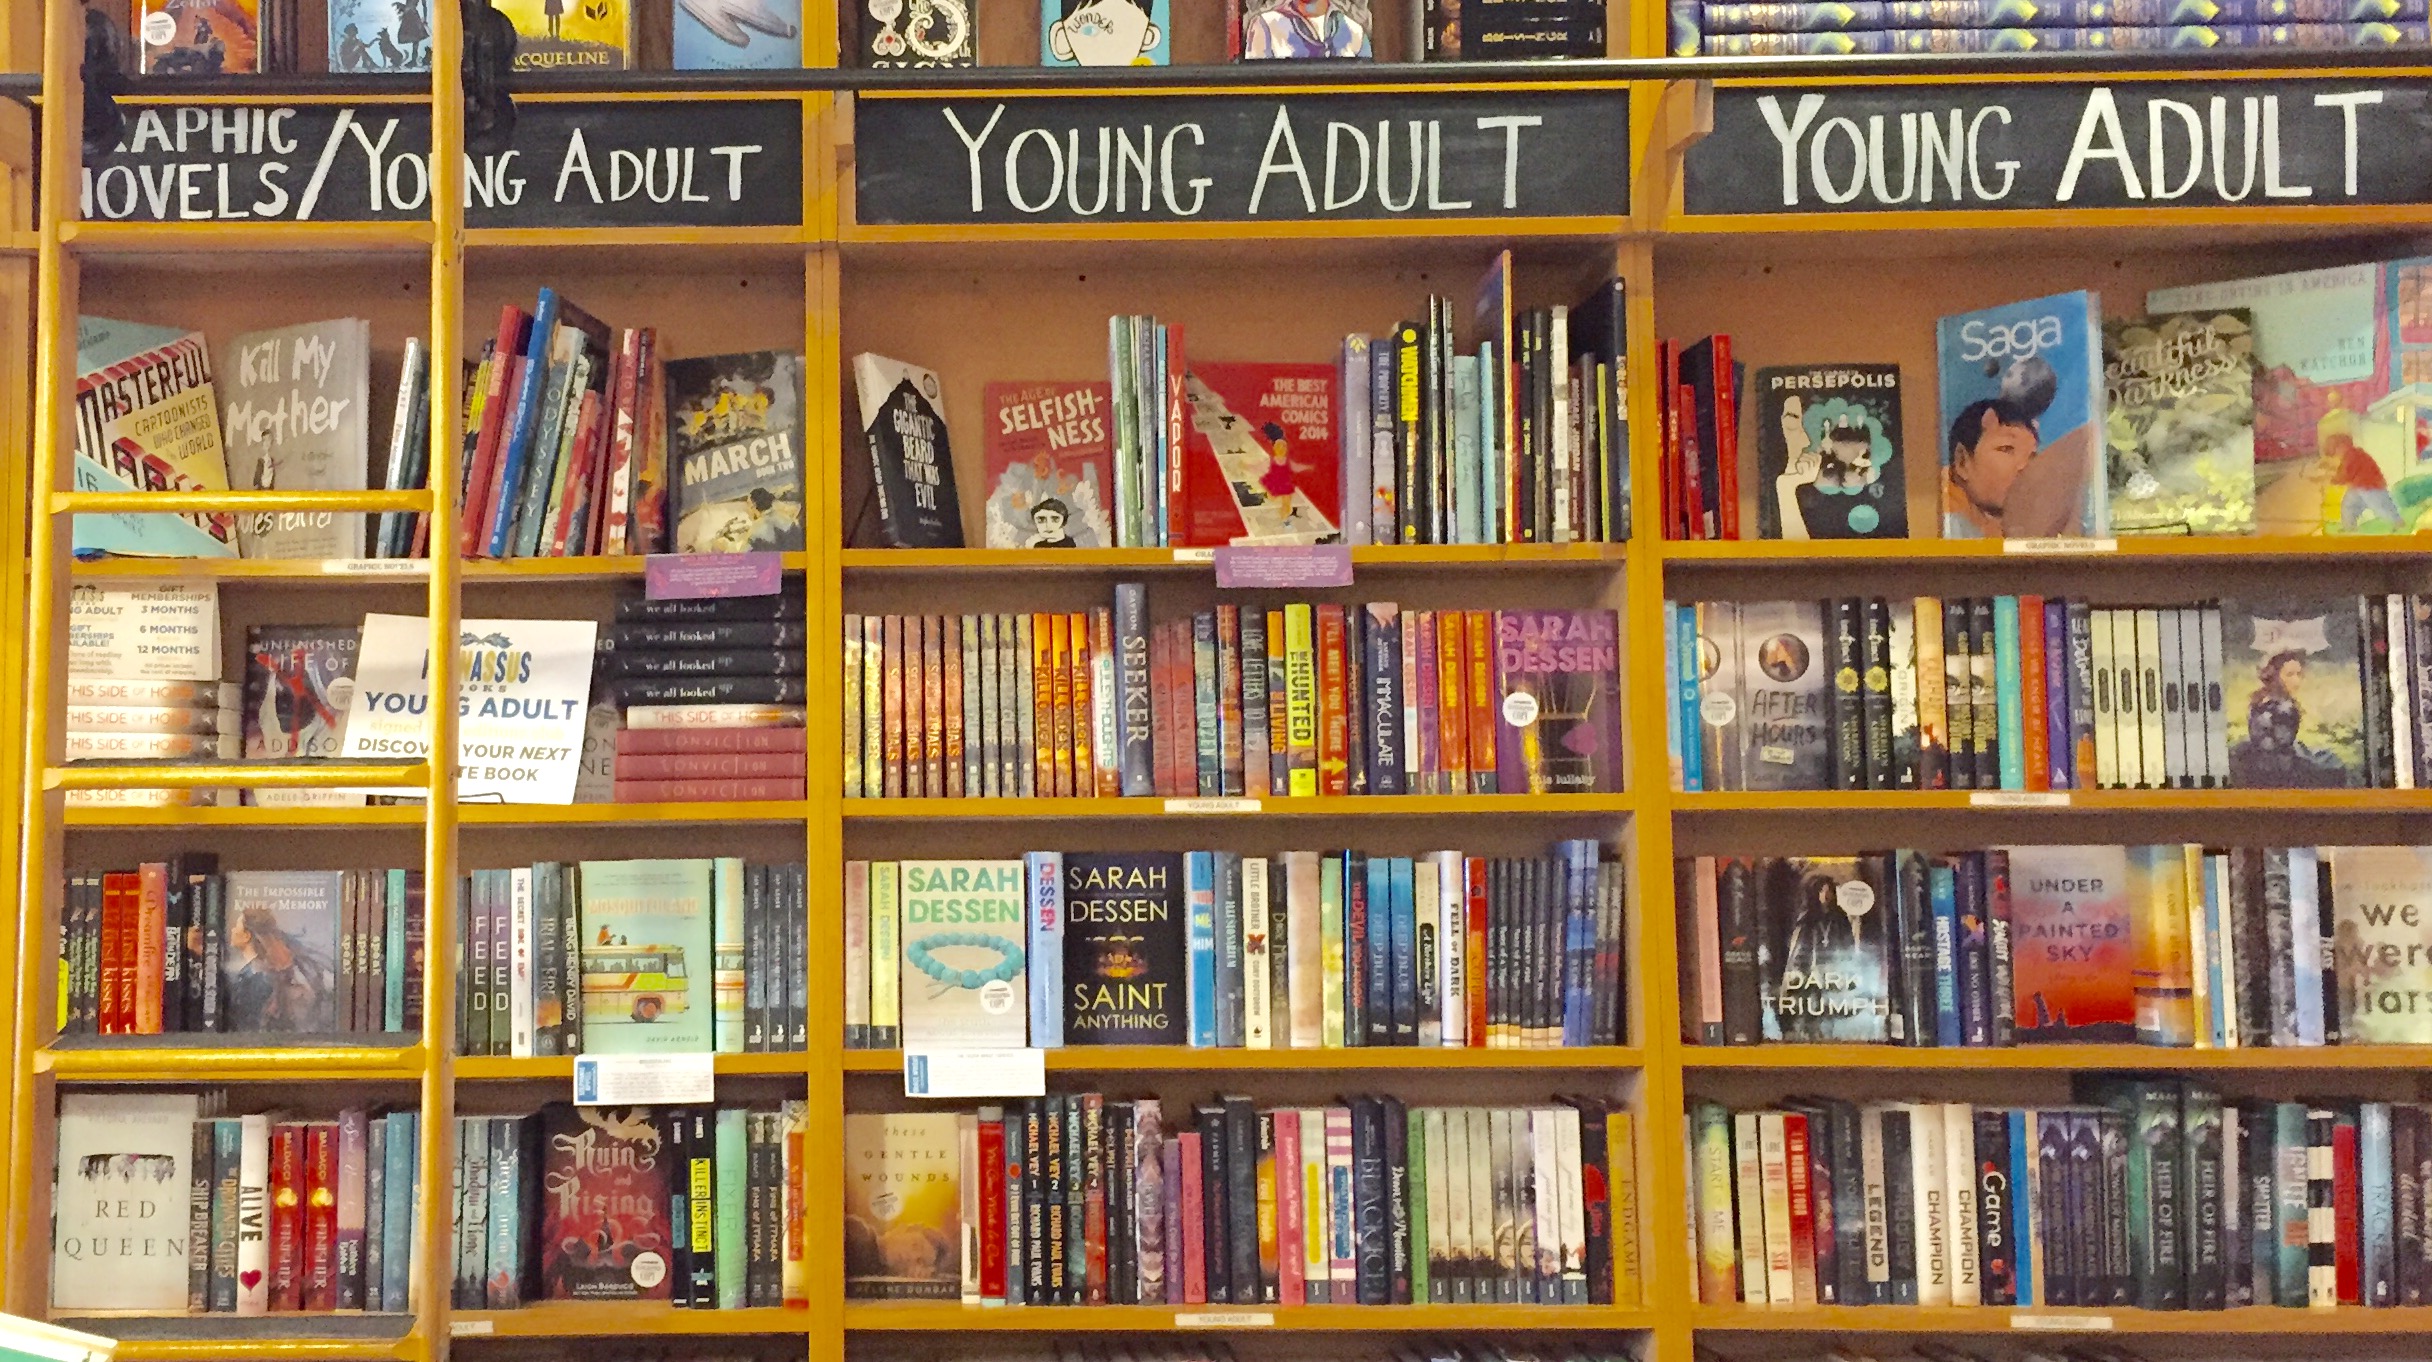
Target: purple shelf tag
[(701, 576), (1283, 565)]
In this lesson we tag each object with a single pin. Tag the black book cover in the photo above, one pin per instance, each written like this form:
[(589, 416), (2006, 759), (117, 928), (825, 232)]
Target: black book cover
[(1382, 701), (1370, 1227), (710, 637), (1916, 943), (1034, 1200), (1498, 950), (1523, 879), (1395, 1119), (736, 452), (1974, 953), (2326, 903), (1135, 714), (1958, 692), (1998, 946), (1123, 1145), (2407, 1154), (1899, 1206), (1984, 700), (1997, 1246), (1359, 1026), (1844, 666), (759, 965), (2056, 1210), (1596, 1200), (192, 947), (1076, 1202), (2252, 946), (795, 913), (1356, 702), (1848, 1201), (1411, 511), (786, 605), (1215, 1200), (2108, 1162), (1696, 361), (1241, 1198), (1875, 692), (675, 1136), (1126, 957), (708, 690), (909, 499), (2380, 749), (1826, 951), (1743, 989), (1093, 1184)]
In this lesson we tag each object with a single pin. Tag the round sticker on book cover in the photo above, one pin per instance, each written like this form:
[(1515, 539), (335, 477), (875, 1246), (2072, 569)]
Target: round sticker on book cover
[(160, 28), (649, 1269), (996, 997), (1719, 709), (1519, 709), (1856, 897)]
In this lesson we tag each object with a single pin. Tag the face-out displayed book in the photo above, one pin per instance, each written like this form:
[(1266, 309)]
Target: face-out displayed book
[(147, 420), (1242, 482), (906, 498), (2022, 420), (198, 37), (296, 405), (379, 36), (903, 1231), (1828, 462), (735, 443), (571, 35), (938, 33), (2179, 423), (965, 951), (724, 35), (124, 1164), (1050, 465), (1104, 33), (646, 957)]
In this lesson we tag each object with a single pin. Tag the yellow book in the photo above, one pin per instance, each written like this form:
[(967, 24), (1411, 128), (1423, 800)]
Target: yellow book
[(886, 979), (2157, 907), (1621, 1178), (903, 1198), (1330, 932), (1300, 709), (794, 1277), (571, 35), (2199, 946)]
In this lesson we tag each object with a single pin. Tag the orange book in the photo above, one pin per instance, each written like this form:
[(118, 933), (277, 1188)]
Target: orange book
[(1479, 633), (1107, 766), (1452, 702), (891, 689), (1059, 667), (951, 650), (151, 945), (1333, 721), (1473, 961), (1043, 704), (2032, 692), (1084, 713)]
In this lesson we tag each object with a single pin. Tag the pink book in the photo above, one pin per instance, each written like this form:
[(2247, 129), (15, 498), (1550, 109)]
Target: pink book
[(1410, 702), (1709, 955), (1194, 1219), (1422, 641), (1169, 1153), (1341, 1246), (1452, 702), (620, 445), (1289, 1223), (582, 451)]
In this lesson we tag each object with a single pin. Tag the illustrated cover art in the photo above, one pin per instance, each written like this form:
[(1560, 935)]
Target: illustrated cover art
[(198, 37), (2071, 957), (918, 33), (607, 1180), (299, 679), (2179, 423), (735, 452), (2343, 365), (1828, 462), (646, 957), (2292, 694), (1825, 952), (293, 404), (1784, 689), (1104, 33), (1262, 463), (281, 950), (379, 36), (119, 1227), (570, 35), (907, 497), (1125, 980), (738, 35), (2383, 895), (1558, 672), (2022, 419), (1050, 461), (902, 1206), (964, 975), (147, 420), (1303, 30)]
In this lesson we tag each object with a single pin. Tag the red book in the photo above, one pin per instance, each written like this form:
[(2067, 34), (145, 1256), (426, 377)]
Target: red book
[(1802, 1210), (2344, 1208), (121, 907), (933, 704), (1261, 462), (1727, 436), (1228, 698), (1194, 1224), (1093, 1197), (480, 492), (706, 791), (1177, 416), (951, 645), (1692, 477), (712, 765), (1473, 960), (1667, 430), (1333, 718), (286, 1216), (1161, 710), (1056, 688), (1178, 702), (1291, 1286), (652, 742), (616, 501), (1452, 698), (321, 1215), (1479, 632), (992, 1207), (2033, 693), (573, 523)]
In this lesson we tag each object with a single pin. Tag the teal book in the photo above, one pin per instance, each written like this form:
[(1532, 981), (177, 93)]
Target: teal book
[(965, 963), (646, 934), (732, 1169), (397, 1209), (392, 1002), (726, 985), (1199, 895), (2009, 702)]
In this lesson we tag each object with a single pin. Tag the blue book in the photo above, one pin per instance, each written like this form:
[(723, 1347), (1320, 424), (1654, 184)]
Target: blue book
[(1578, 855), (1199, 889), (1672, 747), (1045, 870), (1490, 449), (1378, 955), (1384, 690), (2022, 1210), (1152, 415), (765, 35), (1135, 721), (1942, 888), (1405, 952), (1684, 652), (2009, 697), (2379, 1233), (2222, 1027), (2059, 737), (2022, 420), (392, 1003), (520, 432), (2305, 918), (1229, 1029)]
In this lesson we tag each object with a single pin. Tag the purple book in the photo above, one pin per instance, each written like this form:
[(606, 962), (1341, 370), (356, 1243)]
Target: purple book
[(1558, 711), (2061, 740), (1169, 1152), (354, 1143)]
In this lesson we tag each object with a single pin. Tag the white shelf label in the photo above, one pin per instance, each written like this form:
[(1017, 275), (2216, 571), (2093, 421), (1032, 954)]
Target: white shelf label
[(2064, 1324), (644, 1080), (975, 1073), (1211, 806), (1225, 1319), (1195, 555), (2066, 545), (375, 567), (2018, 799), (459, 1328)]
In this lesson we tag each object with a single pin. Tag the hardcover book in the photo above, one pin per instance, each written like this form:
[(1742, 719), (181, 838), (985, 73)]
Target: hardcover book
[(1104, 33), (1261, 462), (735, 452), (198, 37), (2292, 694), (2377, 944), (1558, 673), (738, 35), (571, 35), (1785, 690), (1825, 952), (937, 33), (903, 1236), (147, 420), (964, 977), (1828, 462), (379, 36), (281, 950), (1302, 30), (294, 410), (2071, 956), (299, 679), (1125, 980), (908, 496), (1050, 463), (2179, 423), (119, 1230), (646, 958), (2022, 419), (607, 1183)]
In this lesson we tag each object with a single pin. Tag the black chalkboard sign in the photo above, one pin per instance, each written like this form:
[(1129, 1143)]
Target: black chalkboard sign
[(1393, 155), (725, 163), (2063, 144)]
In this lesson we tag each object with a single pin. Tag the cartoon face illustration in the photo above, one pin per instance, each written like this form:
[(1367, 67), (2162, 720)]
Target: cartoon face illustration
[(1103, 32)]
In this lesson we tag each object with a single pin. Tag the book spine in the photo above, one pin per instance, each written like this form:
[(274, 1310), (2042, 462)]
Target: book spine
[(2009, 695), (2036, 747), (1846, 663), (1333, 676)]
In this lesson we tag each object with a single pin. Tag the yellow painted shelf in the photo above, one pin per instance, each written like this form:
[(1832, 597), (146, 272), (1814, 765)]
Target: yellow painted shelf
[(503, 1068), (1372, 556), (616, 1319), (309, 1337), (234, 775), (2057, 1058), (110, 1059), (610, 567), (953, 1317), (2236, 548), (2253, 1319), (471, 815), (1131, 1058), (1323, 806), (336, 238), (2000, 801)]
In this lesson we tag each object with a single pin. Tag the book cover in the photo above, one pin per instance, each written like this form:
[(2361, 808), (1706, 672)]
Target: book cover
[(295, 407), (902, 1206), (1825, 952), (379, 36), (910, 496), (1104, 33), (2293, 694), (1828, 462), (571, 35), (1125, 958), (738, 35), (2071, 952), (1558, 672), (940, 33), (607, 1182), (299, 680), (1049, 461), (735, 450), (1786, 690), (964, 957), (2022, 419), (2179, 422), (147, 420), (646, 957), (2377, 946), (198, 37), (281, 950), (1261, 463), (119, 1235), (1301, 30)]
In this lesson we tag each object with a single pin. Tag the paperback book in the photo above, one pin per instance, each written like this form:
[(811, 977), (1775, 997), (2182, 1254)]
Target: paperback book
[(379, 36), (735, 443), (2292, 694), (147, 420), (1104, 33), (2022, 420), (903, 1230), (1260, 462), (646, 960), (2179, 423), (1050, 460), (964, 952), (299, 680), (281, 952), (723, 35), (1828, 462), (296, 409), (571, 35), (908, 497)]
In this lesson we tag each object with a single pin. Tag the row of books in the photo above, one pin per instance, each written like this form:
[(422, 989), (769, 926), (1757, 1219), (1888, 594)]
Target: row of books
[(604, 958), (2048, 693), (393, 37), (700, 1207), (1291, 700), (1811, 16), (1085, 1199), (2146, 1193), (2162, 945), (283, 1214), (722, 660), (1304, 950), (178, 946), (143, 683), (2117, 38)]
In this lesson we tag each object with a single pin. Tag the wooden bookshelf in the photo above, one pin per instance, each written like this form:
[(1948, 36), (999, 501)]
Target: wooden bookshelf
[(1120, 1059)]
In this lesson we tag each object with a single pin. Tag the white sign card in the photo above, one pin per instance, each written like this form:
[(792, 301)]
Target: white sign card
[(521, 690)]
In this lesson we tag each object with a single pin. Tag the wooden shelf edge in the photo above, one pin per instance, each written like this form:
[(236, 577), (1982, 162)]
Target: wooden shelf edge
[(95, 238), (1761, 553), (611, 1319), (1128, 1058), (2082, 801), (953, 1317), (2251, 1319), (2056, 1058), (1680, 226), (237, 1064), (560, 1068), (1323, 806), (1373, 556), (863, 237)]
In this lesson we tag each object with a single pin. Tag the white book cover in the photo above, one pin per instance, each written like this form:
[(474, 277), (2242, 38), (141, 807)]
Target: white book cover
[(967, 1157), (1574, 1206), (160, 631), (2149, 696), (1315, 1265), (1565, 442), (1304, 947), (295, 408), (1773, 1155), (119, 1231), (519, 962), (963, 975), (2202, 949), (253, 1215), (1929, 1182), (1959, 1164), (1427, 923), (1748, 1182), (2106, 707), (1546, 1197), (1257, 965)]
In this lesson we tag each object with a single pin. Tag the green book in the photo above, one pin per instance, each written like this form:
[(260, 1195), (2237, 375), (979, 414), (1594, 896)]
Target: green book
[(1330, 951), (733, 1170), (646, 933), (727, 985), (1415, 1156)]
